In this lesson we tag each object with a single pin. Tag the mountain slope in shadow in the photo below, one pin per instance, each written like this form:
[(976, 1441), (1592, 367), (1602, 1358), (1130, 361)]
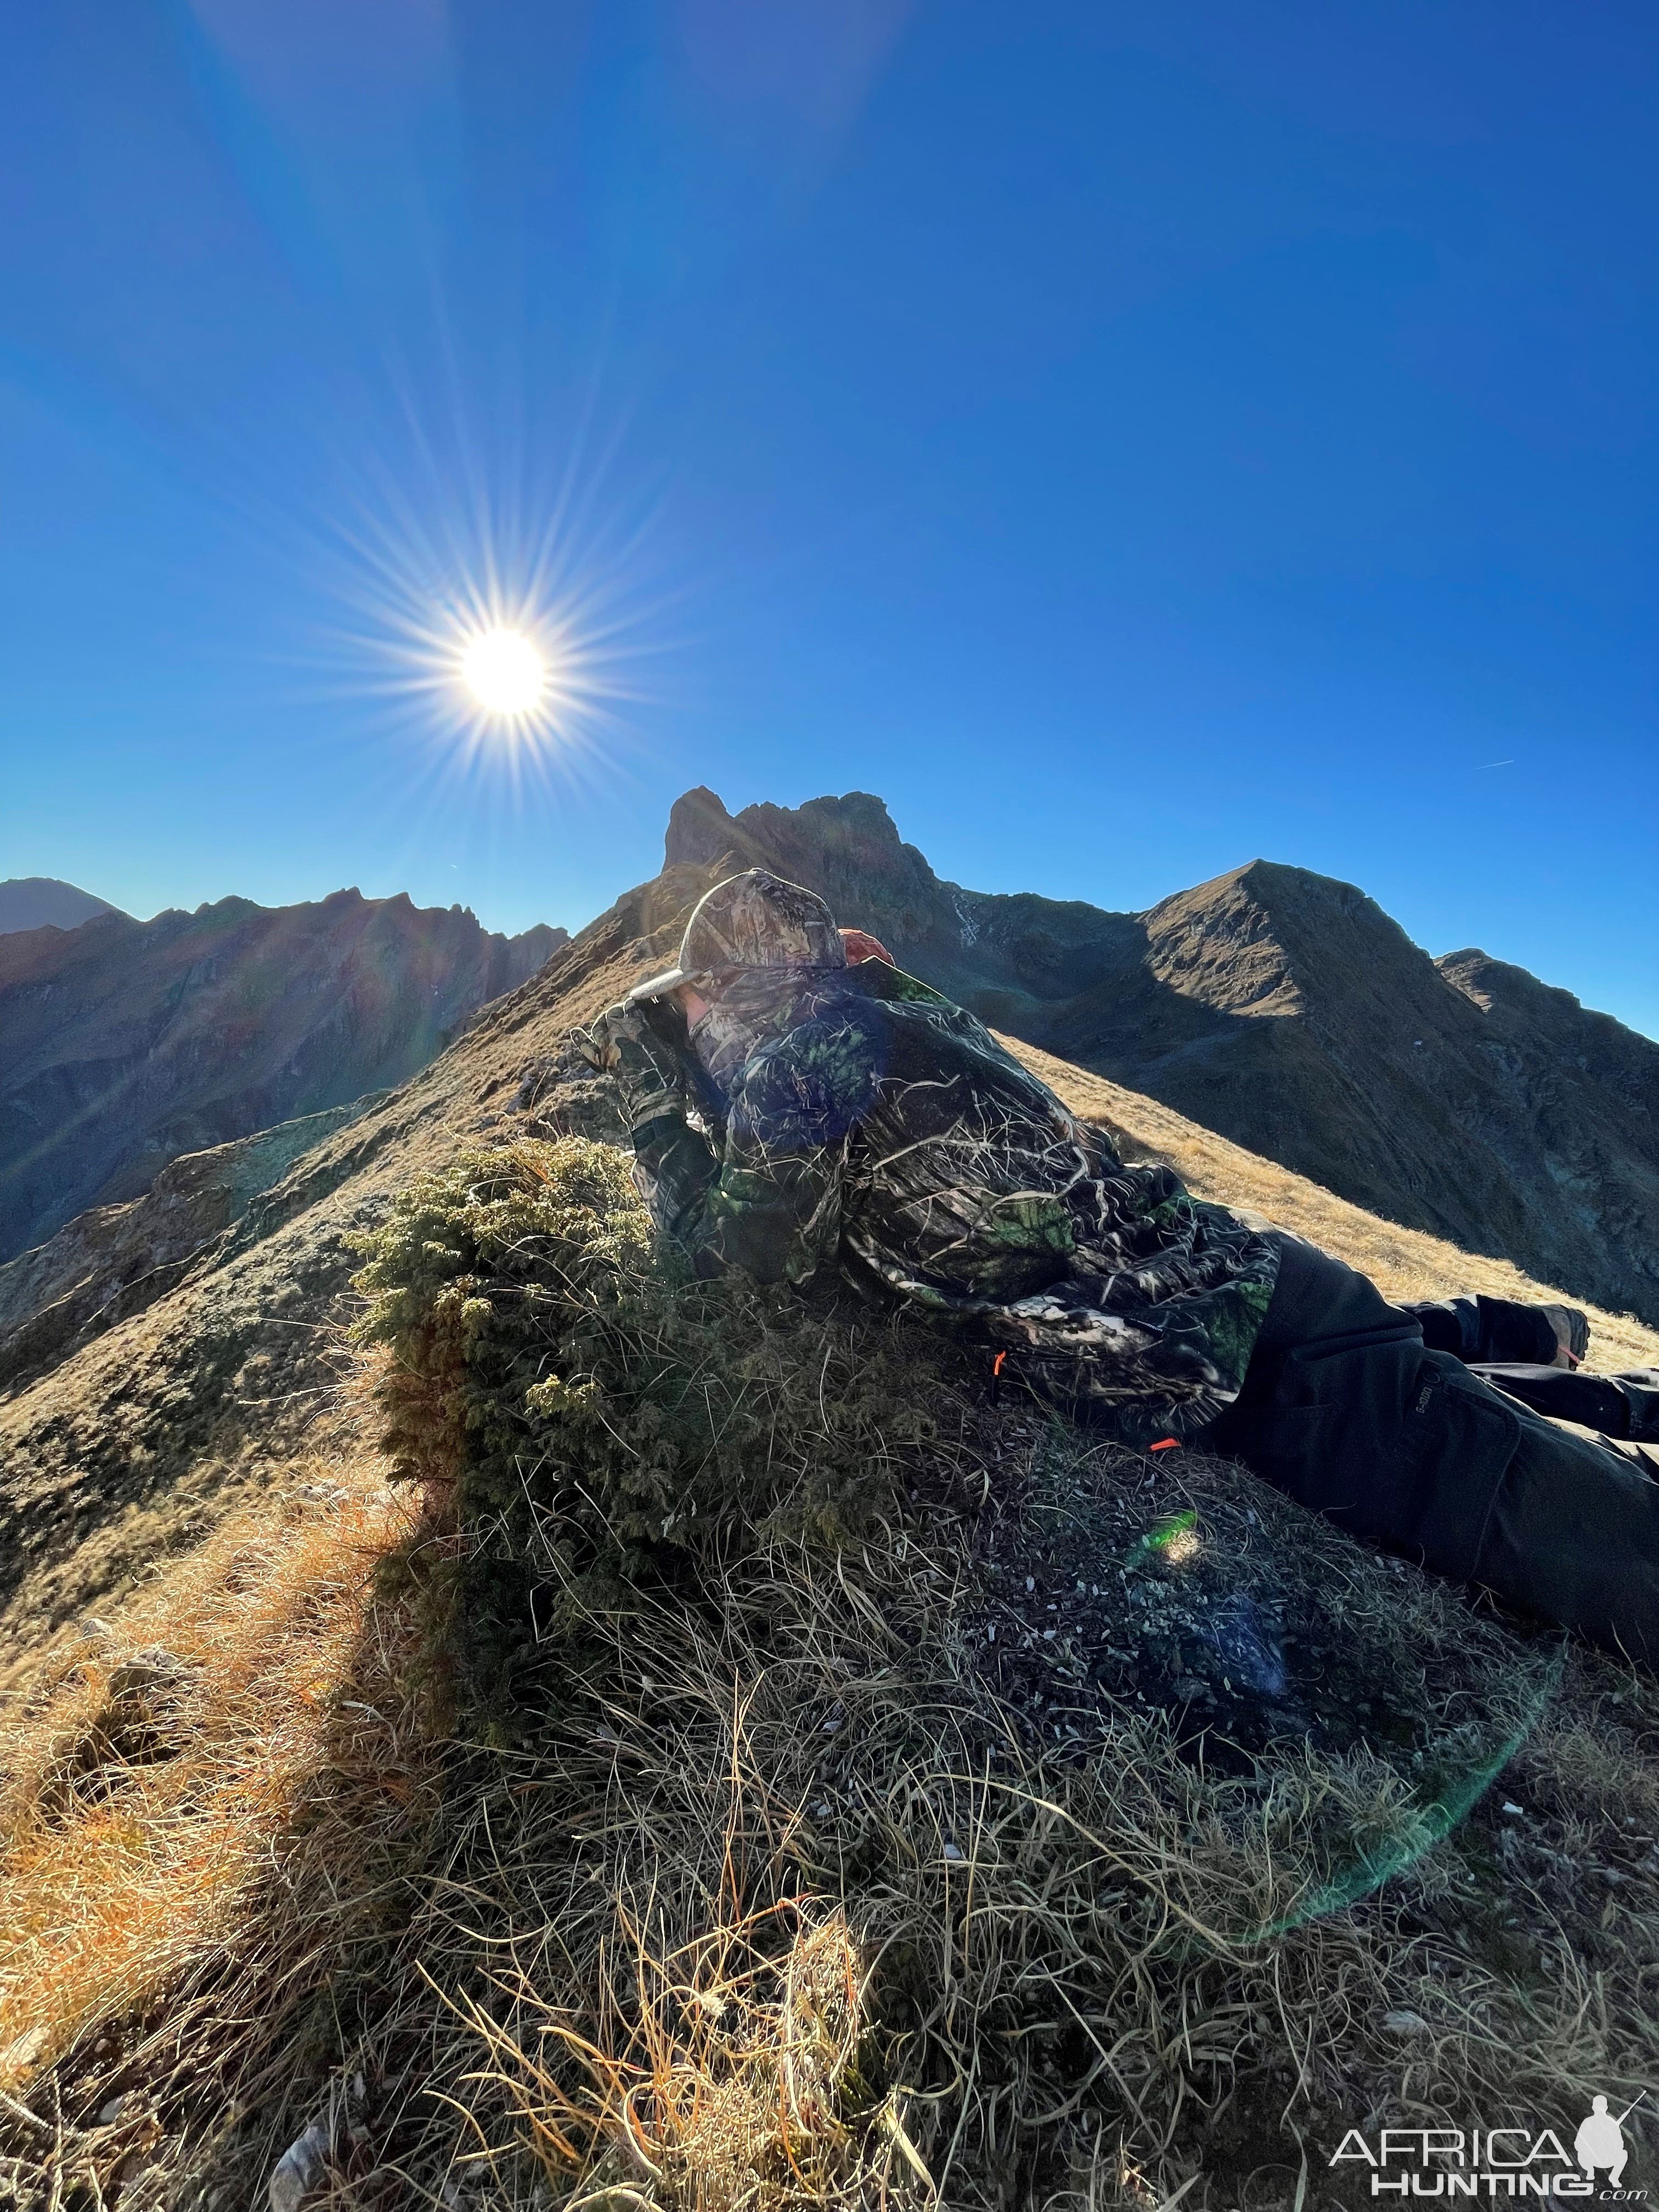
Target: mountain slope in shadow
[(46, 902), (127, 1044)]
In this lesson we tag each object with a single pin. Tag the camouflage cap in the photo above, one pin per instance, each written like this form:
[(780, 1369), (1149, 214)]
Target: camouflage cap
[(756, 920)]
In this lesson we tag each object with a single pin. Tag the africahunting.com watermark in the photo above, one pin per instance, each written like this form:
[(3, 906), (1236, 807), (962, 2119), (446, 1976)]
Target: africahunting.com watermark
[(1492, 2162)]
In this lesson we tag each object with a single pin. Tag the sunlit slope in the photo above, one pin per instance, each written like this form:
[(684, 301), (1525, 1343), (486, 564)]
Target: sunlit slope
[(192, 1509)]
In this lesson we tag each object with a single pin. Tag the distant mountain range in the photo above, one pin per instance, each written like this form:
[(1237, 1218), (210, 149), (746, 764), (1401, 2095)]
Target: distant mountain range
[(124, 1044), (44, 902), (1287, 1011)]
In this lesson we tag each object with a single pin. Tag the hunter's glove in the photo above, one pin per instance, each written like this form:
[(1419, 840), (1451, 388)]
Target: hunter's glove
[(646, 1069)]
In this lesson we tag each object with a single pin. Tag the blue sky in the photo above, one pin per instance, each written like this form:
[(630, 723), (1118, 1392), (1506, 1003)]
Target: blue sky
[(1129, 439)]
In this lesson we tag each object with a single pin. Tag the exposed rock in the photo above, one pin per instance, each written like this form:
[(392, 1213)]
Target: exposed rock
[(1009, 955), (128, 1044), (301, 2171), (138, 1723)]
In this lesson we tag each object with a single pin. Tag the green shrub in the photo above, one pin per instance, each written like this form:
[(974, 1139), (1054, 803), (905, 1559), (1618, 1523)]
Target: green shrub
[(582, 1414)]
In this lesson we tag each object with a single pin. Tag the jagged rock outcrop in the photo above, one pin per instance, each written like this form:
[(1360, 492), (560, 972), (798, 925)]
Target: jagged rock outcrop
[(128, 1044), (1008, 955), (1287, 1011)]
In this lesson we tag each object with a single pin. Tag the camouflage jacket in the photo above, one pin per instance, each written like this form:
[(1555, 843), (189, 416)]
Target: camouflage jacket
[(877, 1129)]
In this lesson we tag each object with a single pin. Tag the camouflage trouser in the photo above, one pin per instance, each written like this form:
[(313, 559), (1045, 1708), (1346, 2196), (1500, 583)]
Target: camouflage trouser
[(1347, 1409)]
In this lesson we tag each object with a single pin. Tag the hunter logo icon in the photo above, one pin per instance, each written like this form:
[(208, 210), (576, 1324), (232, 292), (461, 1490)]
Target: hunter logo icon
[(1600, 2141)]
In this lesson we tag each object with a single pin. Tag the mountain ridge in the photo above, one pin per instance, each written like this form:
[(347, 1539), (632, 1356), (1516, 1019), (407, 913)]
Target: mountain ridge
[(129, 1043), (1285, 1009), (226, 1688), (47, 902), (204, 1379)]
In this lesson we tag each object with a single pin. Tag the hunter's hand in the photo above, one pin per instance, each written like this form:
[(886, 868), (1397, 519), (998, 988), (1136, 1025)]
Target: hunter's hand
[(622, 1044), (594, 1046)]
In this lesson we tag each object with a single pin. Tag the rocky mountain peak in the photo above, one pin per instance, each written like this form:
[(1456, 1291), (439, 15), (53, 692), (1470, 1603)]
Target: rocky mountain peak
[(1267, 938), (852, 840), (1281, 1008)]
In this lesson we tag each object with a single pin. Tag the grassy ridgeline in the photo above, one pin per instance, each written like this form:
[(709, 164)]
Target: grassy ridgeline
[(765, 1774)]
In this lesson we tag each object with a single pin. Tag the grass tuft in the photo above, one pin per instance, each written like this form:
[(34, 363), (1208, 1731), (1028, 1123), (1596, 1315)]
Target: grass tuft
[(592, 1419)]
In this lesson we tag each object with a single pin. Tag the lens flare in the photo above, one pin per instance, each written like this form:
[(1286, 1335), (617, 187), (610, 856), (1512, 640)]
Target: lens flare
[(504, 672), (495, 607)]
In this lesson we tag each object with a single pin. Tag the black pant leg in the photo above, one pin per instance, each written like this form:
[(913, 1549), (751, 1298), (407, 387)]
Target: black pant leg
[(1450, 1325), (1346, 1409), (1481, 1329), (1573, 1537), (1397, 1444), (1623, 1406), (1640, 1389), (1564, 1393)]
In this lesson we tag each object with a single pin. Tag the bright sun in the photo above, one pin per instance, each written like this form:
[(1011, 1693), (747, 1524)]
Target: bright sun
[(504, 672)]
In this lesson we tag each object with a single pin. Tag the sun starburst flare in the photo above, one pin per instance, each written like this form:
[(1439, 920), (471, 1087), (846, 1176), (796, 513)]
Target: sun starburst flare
[(504, 672), (496, 633)]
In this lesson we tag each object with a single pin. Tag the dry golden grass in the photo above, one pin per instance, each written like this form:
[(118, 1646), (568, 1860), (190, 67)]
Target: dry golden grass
[(718, 2074), (783, 1898), (162, 1760), (780, 1904), (685, 1949)]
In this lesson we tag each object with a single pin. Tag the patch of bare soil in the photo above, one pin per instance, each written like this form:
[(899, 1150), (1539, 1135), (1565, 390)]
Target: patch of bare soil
[(1177, 1582)]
